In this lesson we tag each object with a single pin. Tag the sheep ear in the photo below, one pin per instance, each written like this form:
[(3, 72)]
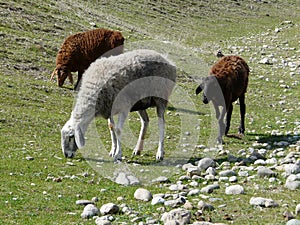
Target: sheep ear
[(199, 89), (79, 137), (53, 74)]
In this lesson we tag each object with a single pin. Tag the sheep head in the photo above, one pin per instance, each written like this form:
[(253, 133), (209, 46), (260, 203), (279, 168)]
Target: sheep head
[(62, 73), (71, 139), (208, 87), (212, 90)]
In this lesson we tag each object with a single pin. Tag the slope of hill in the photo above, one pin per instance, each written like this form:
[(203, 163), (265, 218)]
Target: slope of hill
[(38, 186)]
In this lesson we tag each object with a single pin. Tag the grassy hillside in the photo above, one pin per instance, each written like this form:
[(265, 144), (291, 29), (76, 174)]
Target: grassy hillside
[(33, 109)]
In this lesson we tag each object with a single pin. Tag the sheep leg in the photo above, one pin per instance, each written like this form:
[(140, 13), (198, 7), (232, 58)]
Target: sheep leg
[(118, 131), (228, 118), (161, 105), (111, 125), (144, 125), (221, 130), (76, 87), (242, 112)]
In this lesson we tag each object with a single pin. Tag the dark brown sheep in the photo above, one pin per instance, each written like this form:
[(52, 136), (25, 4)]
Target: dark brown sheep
[(79, 50), (227, 82)]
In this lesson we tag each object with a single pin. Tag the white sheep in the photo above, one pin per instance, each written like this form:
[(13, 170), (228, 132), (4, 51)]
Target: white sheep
[(133, 81)]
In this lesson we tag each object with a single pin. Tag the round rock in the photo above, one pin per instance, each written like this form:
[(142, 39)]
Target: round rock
[(204, 163), (89, 211), (234, 190), (293, 222), (109, 208), (177, 216), (142, 194), (297, 211), (265, 172)]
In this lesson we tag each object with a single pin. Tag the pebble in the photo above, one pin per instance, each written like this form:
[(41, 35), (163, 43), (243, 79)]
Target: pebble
[(265, 202), (293, 222), (157, 200), (209, 188), (293, 182), (161, 179), (89, 211), (204, 206), (29, 158), (234, 190), (204, 163), (176, 217), (297, 210), (109, 208), (143, 194), (102, 221), (175, 202), (193, 192), (291, 169), (265, 172), (227, 173), (84, 202), (124, 179)]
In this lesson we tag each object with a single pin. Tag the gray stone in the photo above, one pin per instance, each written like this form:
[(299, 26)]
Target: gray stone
[(210, 188), (102, 221), (193, 192), (265, 172), (293, 182), (297, 210), (234, 190), (142, 194), (291, 169), (175, 202), (161, 179), (205, 206), (125, 179), (109, 208), (233, 179), (265, 61), (265, 202), (157, 200), (211, 171), (177, 217), (227, 173), (293, 222), (84, 202), (89, 211), (204, 163), (191, 171)]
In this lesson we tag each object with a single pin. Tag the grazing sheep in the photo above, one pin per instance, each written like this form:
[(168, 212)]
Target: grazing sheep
[(79, 50), (133, 81), (227, 82)]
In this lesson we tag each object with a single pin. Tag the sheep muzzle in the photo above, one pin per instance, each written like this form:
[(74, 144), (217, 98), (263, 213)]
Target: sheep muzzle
[(205, 99), (68, 143)]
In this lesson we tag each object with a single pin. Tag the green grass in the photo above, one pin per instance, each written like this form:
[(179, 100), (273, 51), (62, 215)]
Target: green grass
[(33, 109)]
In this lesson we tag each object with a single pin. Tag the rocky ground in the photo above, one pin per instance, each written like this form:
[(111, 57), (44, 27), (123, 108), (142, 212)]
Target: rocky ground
[(275, 162)]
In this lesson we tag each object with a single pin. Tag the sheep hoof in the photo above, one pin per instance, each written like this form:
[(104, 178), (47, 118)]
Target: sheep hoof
[(136, 152), (220, 141), (117, 158), (159, 156)]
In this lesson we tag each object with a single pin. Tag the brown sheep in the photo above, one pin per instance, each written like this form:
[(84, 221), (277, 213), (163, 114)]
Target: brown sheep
[(227, 82), (79, 50)]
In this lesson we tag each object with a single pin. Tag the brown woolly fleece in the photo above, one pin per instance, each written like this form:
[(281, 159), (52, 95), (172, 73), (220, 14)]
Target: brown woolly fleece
[(232, 74), (227, 82), (79, 50)]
